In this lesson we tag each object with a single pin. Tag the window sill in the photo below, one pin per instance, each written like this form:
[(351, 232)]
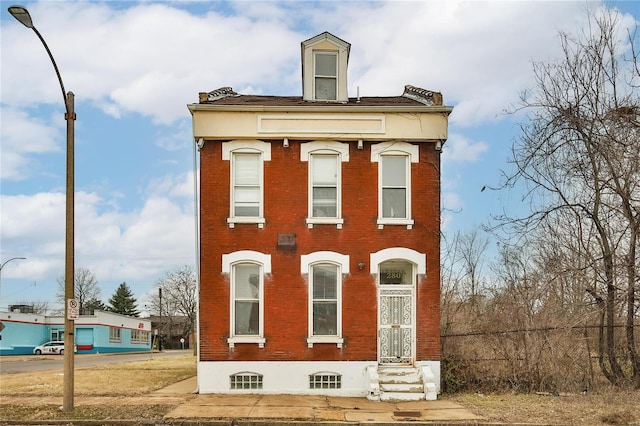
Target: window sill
[(256, 340), (324, 221), (231, 221), (334, 340), (390, 221)]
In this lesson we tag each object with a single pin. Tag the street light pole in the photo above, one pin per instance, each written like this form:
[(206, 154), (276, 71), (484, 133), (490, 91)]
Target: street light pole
[(22, 15)]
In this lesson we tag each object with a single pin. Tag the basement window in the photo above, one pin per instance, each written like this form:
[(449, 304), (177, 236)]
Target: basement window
[(325, 381), (246, 380)]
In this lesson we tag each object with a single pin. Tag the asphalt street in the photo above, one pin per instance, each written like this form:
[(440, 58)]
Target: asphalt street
[(10, 364)]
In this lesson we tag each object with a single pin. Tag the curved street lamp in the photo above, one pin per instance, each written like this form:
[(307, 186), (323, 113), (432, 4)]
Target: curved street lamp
[(22, 15), (4, 263)]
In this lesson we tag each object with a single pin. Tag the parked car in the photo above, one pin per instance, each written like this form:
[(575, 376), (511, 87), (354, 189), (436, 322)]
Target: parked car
[(53, 347)]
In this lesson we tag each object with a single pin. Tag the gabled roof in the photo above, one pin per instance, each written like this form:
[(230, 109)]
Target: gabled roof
[(325, 36)]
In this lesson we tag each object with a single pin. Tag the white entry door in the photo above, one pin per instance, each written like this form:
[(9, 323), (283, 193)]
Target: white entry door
[(396, 315)]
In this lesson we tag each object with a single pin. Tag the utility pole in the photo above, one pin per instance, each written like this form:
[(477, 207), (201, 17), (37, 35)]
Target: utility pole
[(160, 322)]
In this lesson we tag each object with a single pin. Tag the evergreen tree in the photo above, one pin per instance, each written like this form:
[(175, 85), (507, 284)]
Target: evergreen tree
[(95, 305), (123, 302)]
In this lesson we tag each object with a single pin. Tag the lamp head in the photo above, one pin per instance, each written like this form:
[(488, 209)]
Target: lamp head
[(22, 15)]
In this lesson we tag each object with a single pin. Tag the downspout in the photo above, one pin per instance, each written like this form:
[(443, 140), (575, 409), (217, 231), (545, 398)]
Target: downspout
[(196, 216)]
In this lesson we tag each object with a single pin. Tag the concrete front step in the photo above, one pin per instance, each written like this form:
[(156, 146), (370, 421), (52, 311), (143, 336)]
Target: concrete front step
[(402, 387), (408, 378), (401, 396), (399, 375), (400, 384)]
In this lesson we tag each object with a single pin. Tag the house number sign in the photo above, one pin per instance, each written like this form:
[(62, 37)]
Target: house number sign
[(391, 277)]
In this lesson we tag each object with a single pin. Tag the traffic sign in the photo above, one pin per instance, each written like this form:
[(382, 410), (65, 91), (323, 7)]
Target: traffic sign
[(73, 309)]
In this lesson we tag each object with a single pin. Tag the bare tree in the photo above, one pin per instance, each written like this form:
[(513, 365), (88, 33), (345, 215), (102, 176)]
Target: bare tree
[(40, 308), (462, 275), (579, 161), (472, 251), (85, 287), (179, 299)]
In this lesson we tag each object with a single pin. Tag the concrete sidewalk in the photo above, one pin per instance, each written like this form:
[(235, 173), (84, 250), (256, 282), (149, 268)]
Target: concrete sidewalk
[(252, 409), (309, 408)]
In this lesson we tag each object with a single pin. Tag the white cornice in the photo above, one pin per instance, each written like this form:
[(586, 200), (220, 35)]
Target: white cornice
[(321, 109)]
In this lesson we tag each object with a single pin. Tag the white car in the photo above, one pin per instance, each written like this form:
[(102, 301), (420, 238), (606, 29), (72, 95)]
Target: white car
[(54, 347)]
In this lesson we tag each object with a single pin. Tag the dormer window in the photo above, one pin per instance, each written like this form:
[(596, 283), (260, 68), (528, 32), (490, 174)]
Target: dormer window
[(326, 75), (324, 69)]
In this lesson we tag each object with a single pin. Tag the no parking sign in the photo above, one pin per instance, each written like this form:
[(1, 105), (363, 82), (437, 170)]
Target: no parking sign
[(73, 310)]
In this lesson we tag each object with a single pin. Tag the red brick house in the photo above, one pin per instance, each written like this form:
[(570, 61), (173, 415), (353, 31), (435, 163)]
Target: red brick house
[(319, 237)]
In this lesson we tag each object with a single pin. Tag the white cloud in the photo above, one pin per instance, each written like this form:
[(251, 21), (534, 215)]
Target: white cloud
[(176, 137), (177, 186), (451, 204), (136, 247), (154, 58), (24, 137), (462, 150)]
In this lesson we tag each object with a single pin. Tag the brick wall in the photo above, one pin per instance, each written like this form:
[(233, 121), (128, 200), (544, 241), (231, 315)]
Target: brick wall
[(285, 293)]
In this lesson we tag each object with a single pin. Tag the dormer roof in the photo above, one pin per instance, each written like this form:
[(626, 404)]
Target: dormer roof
[(326, 36)]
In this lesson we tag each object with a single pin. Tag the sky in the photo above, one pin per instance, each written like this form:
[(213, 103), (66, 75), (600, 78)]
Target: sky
[(133, 67)]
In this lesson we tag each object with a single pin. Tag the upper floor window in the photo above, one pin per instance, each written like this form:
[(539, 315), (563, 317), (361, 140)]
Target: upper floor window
[(247, 185), (326, 75), (246, 271), (394, 181), (325, 180), (394, 187), (247, 180), (324, 185)]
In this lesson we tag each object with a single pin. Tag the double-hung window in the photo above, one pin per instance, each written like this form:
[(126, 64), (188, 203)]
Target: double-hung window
[(325, 300), (247, 188), (247, 181), (247, 304), (325, 180), (394, 181), (325, 269), (326, 75), (246, 271), (324, 185)]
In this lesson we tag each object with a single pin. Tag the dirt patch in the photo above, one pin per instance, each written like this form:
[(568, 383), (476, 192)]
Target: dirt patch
[(83, 412), (607, 407), (110, 387)]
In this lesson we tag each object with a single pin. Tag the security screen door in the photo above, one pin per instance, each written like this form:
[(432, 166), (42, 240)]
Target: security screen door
[(396, 313)]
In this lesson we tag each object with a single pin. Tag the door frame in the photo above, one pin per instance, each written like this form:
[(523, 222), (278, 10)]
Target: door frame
[(412, 294), (419, 262)]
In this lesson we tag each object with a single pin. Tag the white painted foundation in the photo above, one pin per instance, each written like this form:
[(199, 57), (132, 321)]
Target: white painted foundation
[(292, 377)]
